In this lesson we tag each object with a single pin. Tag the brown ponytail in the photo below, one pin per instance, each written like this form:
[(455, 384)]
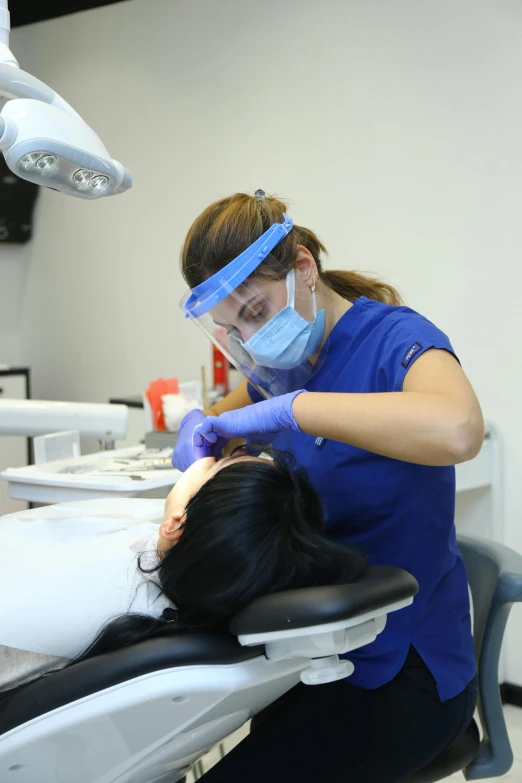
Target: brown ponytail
[(352, 285), (226, 228)]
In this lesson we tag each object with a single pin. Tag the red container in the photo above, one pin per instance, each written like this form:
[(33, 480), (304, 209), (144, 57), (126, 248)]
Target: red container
[(220, 370)]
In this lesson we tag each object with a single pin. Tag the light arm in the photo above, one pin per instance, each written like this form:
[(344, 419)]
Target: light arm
[(31, 418), (6, 55), (15, 83)]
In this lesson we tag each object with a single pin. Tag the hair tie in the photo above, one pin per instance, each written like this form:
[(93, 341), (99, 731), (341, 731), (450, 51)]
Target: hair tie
[(260, 195)]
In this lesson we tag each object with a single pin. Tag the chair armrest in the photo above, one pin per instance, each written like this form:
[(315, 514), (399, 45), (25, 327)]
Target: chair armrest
[(507, 562), (501, 567)]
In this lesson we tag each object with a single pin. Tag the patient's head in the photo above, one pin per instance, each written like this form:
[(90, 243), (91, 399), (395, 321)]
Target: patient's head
[(234, 530), (242, 527), (191, 481)]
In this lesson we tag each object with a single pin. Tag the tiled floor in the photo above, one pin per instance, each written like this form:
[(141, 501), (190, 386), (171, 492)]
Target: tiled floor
[(514, 722)]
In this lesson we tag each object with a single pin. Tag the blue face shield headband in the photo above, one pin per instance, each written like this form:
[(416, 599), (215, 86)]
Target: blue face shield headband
[(211, 292)]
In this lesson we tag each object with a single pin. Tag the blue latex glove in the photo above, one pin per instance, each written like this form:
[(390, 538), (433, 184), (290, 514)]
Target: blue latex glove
[(183, 455), (258, 423)]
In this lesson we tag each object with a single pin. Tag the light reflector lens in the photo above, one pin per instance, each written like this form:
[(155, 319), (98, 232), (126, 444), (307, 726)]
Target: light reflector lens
[(29, 161), (48, 165), (99, 184), (82, 178), (82, 175)]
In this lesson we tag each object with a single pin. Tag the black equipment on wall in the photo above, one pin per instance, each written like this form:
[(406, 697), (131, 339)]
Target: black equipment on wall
[(26, 12), (17, 200)]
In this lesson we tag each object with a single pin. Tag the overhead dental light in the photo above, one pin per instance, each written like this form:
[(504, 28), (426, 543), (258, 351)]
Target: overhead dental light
[(44, 140)]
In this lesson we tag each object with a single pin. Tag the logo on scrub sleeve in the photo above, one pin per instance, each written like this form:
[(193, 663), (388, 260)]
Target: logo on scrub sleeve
[(410, 353)]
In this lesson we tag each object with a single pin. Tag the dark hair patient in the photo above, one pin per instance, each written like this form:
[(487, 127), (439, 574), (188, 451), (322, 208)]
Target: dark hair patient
[(253, 528)]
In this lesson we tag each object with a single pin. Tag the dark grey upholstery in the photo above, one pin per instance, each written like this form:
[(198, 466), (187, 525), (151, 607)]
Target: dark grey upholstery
[(495, 579)]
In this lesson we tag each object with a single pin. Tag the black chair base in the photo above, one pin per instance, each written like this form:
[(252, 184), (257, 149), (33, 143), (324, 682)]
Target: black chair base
[(456, 758)]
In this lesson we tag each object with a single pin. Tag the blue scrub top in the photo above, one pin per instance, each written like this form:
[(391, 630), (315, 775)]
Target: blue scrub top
[(400, 514)]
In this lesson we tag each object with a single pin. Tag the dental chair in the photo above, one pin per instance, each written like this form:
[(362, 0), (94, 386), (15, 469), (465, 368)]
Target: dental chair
[(146, 713)]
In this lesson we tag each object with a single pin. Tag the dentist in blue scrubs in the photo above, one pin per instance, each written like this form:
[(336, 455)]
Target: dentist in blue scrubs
[(371, 399)]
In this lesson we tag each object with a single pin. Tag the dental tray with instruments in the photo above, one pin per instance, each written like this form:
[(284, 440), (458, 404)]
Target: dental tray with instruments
[(119, 473), (134, 466)]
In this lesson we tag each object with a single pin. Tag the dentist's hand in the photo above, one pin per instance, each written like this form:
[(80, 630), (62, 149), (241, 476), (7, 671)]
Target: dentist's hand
[(183, 455), (258, 423)]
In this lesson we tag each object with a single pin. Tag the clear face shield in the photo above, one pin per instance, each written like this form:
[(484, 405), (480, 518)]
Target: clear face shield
[(267, 326)]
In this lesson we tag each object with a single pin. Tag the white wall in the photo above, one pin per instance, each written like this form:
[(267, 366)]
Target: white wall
[(394, 127)]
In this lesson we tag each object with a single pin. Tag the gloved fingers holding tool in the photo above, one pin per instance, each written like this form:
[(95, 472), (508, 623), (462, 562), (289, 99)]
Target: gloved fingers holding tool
[(258, 423), (183, 455)]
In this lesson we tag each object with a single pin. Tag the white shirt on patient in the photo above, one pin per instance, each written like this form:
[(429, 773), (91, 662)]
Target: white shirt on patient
[(65, 571)]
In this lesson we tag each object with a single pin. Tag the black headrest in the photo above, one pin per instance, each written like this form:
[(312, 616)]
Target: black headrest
[(379, 587)]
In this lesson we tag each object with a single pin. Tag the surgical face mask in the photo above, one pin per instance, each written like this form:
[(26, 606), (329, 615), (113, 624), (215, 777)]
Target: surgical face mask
[(287, 340)]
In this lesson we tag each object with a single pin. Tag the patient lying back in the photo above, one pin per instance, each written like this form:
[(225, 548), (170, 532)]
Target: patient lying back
[(67, 570), (96, 576)]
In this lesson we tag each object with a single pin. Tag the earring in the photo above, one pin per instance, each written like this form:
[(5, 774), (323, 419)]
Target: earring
[(313, 285)]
